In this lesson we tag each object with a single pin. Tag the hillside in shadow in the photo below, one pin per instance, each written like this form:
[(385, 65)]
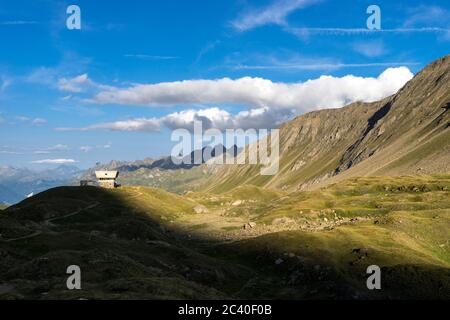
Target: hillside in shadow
[(129, 246)]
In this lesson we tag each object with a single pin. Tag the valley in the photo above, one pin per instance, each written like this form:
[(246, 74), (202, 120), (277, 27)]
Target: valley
[(249, 244), (366, 184)]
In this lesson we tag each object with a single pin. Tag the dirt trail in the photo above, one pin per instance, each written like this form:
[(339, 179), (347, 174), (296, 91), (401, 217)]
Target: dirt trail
[(48, 221)]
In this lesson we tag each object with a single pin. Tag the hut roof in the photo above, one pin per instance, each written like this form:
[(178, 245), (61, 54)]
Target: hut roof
[(107, 174)]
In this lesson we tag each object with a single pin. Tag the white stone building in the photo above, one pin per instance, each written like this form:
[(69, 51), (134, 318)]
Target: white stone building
[(107, 179)]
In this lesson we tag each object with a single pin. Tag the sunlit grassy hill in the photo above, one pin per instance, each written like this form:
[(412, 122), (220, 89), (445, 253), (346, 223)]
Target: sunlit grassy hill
[(137, 242)]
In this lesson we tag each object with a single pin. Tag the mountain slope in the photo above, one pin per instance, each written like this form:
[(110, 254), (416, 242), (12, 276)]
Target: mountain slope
[(145, 243), (163, 172), (407, 133)]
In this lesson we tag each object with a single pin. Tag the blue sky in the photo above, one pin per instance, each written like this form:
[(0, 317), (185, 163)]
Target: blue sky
[(138, 69)]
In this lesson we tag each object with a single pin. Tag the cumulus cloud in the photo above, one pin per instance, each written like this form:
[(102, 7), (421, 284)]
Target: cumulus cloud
[(324, 92), (210, 118), (54, 161), (269, 103), (222, 119), (274, 13)]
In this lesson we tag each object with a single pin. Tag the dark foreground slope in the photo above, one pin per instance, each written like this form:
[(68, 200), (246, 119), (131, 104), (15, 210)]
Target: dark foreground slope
[(145, 243)]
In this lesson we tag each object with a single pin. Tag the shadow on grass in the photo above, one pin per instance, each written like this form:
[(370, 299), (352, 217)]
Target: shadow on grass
[(130, 251)]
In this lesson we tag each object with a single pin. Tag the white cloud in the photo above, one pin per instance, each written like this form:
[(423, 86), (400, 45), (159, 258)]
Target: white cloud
[(52, 149), (207, 48), (56, 78), (23, 118), (54, 161), (269, 103), (427, 16), (149, 57), (324, 92), (43, 76), (78, 84), (86, 148), (33, 121), (59, 147), (140, 124), (16, 22), (304, 33), (39, 121), (75, 84), (210, 118), (275, 13), (369, 48), (293, 67), (5, 82), (222, 119)]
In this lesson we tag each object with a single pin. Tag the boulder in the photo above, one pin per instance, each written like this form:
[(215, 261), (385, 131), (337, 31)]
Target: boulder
[(200, 209)]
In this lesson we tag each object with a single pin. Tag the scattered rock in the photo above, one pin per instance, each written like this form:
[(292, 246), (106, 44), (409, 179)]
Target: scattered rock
[(279, 261), (237, 203), (200, 209), (249, 225), (282, 220)]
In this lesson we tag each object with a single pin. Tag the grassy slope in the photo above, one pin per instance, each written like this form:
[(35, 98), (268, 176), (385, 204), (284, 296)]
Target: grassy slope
[(147, 243), (178, 181)]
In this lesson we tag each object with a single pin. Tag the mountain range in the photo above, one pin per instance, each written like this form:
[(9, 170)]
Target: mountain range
[(364, 185), (163, 172), (406, 133), (18, 183)]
